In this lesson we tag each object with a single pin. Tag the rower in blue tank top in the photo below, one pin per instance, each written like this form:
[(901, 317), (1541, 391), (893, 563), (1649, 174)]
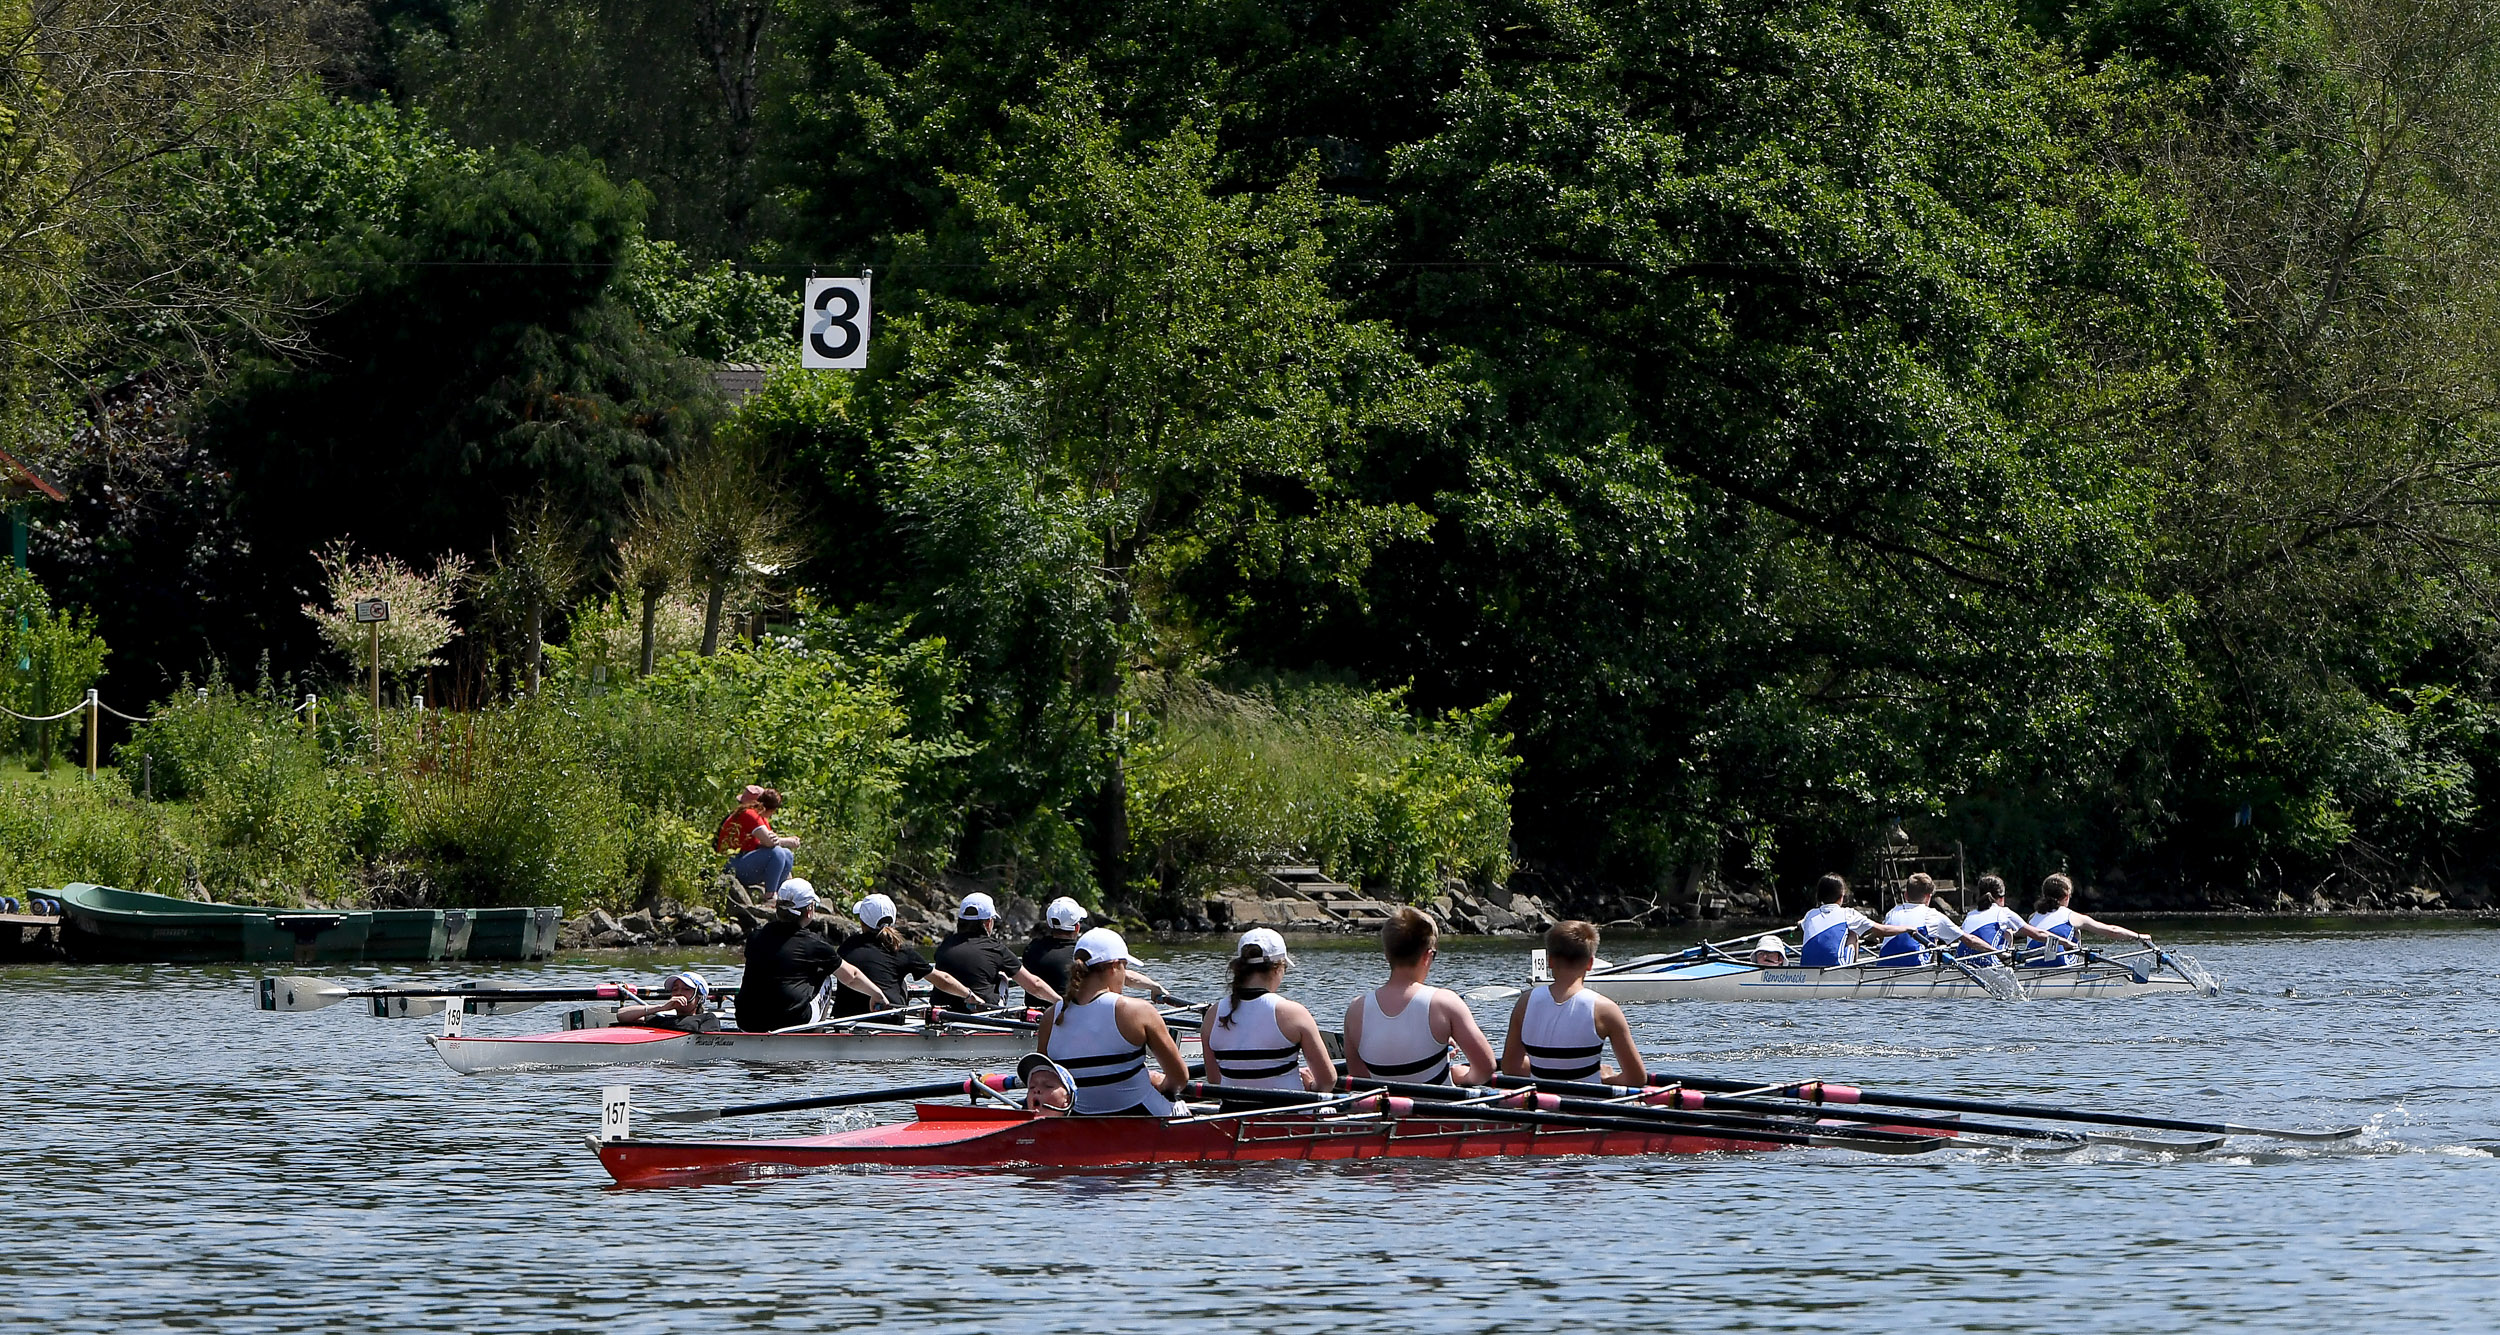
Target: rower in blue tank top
[(1995, 924), (2052, 916), (1923, 925), (1561, 1031), (1832, 928)]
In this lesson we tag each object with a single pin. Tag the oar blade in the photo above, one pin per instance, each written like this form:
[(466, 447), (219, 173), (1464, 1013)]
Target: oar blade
[(1491, 993), (684, 1115), (299, 994), (2310, 1137), (2154, 1144), (1870, 1145)]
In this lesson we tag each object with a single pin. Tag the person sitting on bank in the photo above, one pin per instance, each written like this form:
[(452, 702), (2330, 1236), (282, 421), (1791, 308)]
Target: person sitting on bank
[(1922, 925), (688, 996), (974, 956), (760, 856), (1560, 1030), (886, 963), (1054, 940), (1831, 928), (2054, 919), (788, 964), (1403, 1029)]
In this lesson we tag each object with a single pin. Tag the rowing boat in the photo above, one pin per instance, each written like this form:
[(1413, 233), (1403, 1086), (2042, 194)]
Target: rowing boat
[(960, 1136), (1674, 978)]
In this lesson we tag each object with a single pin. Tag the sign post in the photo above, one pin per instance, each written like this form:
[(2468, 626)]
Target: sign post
[(372, 612), (834, 324)]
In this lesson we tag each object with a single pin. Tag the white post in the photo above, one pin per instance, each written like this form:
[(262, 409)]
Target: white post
[(95, 715)]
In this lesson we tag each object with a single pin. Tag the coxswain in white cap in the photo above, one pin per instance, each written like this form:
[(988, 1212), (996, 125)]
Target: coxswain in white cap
[(1770, 952), (1049, 1091), (1403, 1029), (1105, 1039), (688, 995), (1560, 1030), (1255, 1038), (976, 956), (1046, 955)]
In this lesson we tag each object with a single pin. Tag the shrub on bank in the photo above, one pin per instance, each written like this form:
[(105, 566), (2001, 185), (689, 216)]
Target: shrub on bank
[(1220, 783)]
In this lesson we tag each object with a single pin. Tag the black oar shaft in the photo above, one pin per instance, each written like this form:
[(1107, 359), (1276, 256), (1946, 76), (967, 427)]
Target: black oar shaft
[(1826, 1092), (1668, 1117), (1763, 1107), (1750, 1132), (935, 1089)]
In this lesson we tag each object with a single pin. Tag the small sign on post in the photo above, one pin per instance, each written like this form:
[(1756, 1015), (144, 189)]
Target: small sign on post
[(616, 1112), (371, 613), (834, 324)]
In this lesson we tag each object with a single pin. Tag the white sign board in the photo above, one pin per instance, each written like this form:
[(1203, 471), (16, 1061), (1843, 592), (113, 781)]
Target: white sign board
[(616, 1112), (834, 326), (372, 609)]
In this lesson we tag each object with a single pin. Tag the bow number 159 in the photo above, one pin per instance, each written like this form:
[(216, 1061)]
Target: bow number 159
[(835, 324)]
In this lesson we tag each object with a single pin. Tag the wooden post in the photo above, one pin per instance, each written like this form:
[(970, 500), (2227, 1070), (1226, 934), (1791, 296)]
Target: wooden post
[(312, 714), (95, 715)]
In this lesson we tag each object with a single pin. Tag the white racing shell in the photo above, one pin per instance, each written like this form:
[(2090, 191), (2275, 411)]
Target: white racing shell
[(1734, 980)]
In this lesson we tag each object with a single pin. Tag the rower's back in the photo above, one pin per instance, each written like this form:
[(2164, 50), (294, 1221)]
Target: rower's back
[(1250, 1048), (1110, 1067), (1402, 1046)]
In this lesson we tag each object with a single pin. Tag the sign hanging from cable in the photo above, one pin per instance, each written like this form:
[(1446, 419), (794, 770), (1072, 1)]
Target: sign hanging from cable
[(833, 327)]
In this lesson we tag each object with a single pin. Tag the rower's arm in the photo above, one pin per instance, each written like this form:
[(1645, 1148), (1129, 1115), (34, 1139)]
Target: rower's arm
[(1153, 989), (1206, 1026), (1470, 1039), (1041, 1036), (848, 975), (1515, 1053), (1354, 1039), (1033, 985), (1887, 929), (1157, 1036), (2110, 929), (1298, 1024), (947, 983), (1612, 1026)]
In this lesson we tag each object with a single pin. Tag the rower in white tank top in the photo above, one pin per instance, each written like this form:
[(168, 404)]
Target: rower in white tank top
[(1110, 1070), (1561, 1038), (1401, 1046), (1250, 1049)]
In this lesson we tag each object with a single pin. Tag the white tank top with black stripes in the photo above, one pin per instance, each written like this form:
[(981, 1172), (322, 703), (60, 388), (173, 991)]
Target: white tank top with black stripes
[(1401, 1046), (1252, 1052), (1110, 1070), (1561, 1037)]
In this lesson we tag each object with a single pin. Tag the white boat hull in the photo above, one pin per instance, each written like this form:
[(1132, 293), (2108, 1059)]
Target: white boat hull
[(1723, 980)]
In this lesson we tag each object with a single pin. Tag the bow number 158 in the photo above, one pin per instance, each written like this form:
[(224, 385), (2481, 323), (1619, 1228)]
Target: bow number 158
[(835, 324)]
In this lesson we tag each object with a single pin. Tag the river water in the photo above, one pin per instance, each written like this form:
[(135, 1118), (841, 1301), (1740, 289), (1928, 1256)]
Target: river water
[(179, 1160)]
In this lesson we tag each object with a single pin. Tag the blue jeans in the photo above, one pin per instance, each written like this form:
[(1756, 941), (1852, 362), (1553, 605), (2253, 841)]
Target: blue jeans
[(767, 867)]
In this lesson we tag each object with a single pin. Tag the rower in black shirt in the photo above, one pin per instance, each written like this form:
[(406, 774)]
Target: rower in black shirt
[(1048, 954), (879, 953), (788, 962), (982, 962)]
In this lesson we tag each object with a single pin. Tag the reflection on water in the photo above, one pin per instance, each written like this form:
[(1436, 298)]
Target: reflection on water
[(179, 1159)]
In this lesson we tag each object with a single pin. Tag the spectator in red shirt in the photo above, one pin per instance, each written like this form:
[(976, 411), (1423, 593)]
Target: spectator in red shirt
[(760, 857)]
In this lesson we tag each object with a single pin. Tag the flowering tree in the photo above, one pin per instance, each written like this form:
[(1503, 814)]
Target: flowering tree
[(420, 624)]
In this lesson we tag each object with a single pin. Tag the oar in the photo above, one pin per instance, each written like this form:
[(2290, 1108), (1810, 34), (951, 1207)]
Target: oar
[(1999, 983), (1819, 1091), (843, 1021), (1696, 1100), (1666, 1116), (935, 1089), (1759, 1133), (312, 994)]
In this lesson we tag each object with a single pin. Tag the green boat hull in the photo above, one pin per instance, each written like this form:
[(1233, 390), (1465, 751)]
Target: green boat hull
[(514, 934), (100, 924)]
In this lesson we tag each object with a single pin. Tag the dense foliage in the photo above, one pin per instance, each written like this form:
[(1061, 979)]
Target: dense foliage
[(2066, 428)]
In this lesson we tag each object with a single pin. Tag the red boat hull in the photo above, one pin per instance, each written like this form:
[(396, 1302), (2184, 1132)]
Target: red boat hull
[(956, 1136)]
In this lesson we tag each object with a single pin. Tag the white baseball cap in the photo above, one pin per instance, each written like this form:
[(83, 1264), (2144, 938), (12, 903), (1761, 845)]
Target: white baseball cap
[(1065, 914), (795, 894), (977, 908), (693, 981), (1263, 945), (1772, 944), (1102, 946), (873, 911)]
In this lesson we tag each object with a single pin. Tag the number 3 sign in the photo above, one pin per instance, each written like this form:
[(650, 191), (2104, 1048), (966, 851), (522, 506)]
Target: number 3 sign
[(835, 324)]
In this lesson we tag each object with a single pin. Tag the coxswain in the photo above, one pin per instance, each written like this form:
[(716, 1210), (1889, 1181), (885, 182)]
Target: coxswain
[(1049, 1091), (788, 963), (1255, 1039), (759, 856), (688, 995), (1104, 1039), (1994, 923), (974, 956), (1403, 1029), (886, 964), (1560, 1030), (1769, 952), (1046, 954), (2052, 916), (1922, 924), (1831, 928)]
